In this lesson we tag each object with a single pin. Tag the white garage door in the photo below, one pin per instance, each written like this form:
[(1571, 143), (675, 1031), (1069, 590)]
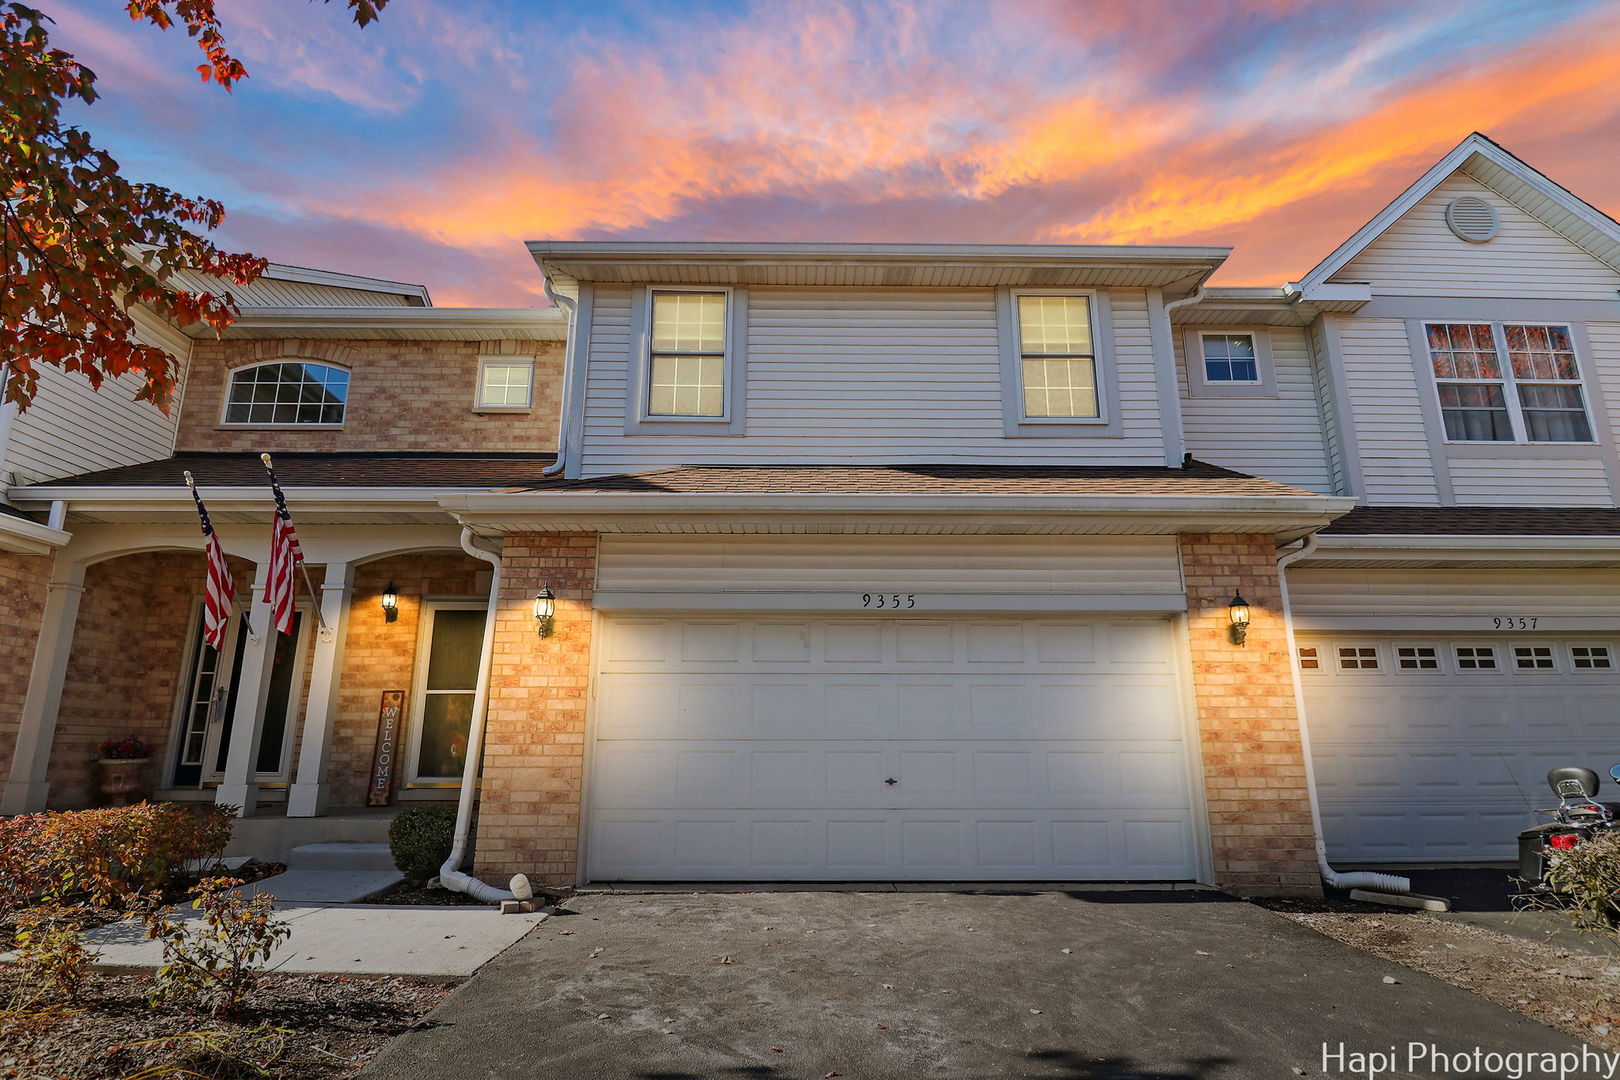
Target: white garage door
[(850, 749), (1435, 747)]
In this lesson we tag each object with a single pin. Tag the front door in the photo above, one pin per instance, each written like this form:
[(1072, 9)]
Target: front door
[(208, 708)]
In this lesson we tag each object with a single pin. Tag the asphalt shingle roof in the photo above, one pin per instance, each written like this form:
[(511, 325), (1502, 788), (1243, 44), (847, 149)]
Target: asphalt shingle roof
[(430, 470)]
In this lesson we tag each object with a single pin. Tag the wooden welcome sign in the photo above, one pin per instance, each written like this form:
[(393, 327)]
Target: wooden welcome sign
[(386, 755)]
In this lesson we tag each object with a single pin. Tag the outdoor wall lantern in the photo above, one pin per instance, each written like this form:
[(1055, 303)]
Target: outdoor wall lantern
[(390, 603), (545, 608), (1239, 612)]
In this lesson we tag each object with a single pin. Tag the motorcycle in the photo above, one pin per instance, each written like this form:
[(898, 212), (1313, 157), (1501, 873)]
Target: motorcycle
[(1577, 819)]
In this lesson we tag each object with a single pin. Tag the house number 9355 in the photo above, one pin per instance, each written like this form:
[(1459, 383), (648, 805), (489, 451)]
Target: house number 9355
[(888, 600)]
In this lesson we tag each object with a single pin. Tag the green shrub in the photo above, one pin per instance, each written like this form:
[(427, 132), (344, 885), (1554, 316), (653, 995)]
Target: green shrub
[(1587, 877), (420, 839), (222, 964), (105, 857)]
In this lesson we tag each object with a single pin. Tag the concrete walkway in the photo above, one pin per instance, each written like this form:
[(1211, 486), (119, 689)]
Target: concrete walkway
[(902, 985), (359, 939)]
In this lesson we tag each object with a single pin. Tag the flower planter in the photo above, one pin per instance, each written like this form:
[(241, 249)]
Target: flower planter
[(121, 780)]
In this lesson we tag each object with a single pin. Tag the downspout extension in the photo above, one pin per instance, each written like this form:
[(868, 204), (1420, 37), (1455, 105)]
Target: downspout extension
[(450, 875), (569, 348), (1355, 879)]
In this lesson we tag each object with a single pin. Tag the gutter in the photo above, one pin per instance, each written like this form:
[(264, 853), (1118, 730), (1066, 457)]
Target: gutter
[(24, 536), (1386, 883), (570, 353)]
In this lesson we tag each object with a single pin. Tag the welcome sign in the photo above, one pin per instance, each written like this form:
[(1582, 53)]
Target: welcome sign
[(386, 754)]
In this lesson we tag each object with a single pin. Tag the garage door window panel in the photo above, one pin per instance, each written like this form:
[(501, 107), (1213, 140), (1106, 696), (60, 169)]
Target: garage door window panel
[(1417, 658), (1476, 658), (1358, 658), (1534, 658), (1591, 658)]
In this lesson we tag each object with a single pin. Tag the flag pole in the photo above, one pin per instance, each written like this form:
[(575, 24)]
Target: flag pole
[(314, 597), (236, 601)]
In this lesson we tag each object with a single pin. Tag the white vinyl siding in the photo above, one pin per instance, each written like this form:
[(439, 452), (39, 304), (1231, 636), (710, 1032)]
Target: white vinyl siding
[(1334, 596), (1327, 404), (1511, 482), (1393, 445), (1604, 375), (1280, 437), (867, 376), (1086, 571), (71, 429), (1420, 256)]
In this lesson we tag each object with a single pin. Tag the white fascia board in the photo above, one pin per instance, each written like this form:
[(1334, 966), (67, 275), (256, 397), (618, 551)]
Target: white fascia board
[(880, 502), (82, 497), (311, 276), (1466, 549), (25, 537), (548, 324), (548, 252), (1474, 144)]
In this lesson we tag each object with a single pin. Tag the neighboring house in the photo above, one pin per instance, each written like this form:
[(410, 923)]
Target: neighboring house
[(885, 561)]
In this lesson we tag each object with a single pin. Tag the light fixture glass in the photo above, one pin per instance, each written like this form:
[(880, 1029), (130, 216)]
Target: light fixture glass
[(1238, 612), (390, 603), (545, 609)]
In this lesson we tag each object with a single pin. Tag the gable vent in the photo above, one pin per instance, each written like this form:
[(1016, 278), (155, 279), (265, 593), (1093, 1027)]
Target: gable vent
[(1472, 219)]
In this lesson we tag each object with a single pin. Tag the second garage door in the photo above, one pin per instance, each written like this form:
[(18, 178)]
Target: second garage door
[(1434, 747), (871, 749)]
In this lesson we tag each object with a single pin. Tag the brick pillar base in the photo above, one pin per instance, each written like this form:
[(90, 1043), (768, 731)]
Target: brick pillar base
[(534, 746), (1248, 720)]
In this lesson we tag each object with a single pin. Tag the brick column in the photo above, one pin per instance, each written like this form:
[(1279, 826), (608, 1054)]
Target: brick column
[(534, 746), (1248, 720)]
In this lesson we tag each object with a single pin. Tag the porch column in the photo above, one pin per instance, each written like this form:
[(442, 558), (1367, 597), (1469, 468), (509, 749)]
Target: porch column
[(27, 788), (310, 790), (252, 682)]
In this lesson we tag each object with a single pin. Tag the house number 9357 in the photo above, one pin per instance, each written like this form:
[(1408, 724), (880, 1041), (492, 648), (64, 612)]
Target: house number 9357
[(888, 600), (1514, 622)]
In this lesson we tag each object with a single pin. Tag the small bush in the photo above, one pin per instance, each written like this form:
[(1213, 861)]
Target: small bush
[(420, 839), (1587, 877), (222, 965), (106, 857), (49, 949)]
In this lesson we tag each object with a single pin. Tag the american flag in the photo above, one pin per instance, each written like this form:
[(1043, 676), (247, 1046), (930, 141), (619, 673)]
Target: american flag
[(285, 556), (219, 589)]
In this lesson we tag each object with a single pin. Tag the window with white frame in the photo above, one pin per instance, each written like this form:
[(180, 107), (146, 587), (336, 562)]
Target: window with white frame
[(1358, 658), (1230, 359), (1417, 658), (1533, 658), (686, 372), (505, 383), (1476, 658), (1591, 657), (1057, 357), (1535, 397), (1308, 658), (287, 392)]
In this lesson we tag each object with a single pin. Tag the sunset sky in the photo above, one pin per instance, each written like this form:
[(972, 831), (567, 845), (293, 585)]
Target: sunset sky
[(429, 146)]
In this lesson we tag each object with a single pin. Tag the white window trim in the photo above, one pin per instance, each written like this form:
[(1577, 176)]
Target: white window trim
[(1440, 665), (1104, 368), (240, 425), (1198, 386), (637, 421), (1509, 384), (1380, 660), (480, 405), (1570, 644), (429, 610)]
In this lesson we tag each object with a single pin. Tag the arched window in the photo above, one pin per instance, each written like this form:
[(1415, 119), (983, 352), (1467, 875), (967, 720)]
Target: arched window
[(287, 392)]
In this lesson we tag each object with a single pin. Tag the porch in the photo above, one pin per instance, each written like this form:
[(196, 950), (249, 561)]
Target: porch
[(290, 728)]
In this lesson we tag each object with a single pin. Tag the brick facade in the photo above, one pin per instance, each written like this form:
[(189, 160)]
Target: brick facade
[(22, 600), (534, 754), (403, 395), (1248, 720)]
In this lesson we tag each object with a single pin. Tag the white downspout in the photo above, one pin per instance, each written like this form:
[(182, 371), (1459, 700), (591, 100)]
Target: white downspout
[(1356, 879), (1191, 298), (570, 347), (450, 875)]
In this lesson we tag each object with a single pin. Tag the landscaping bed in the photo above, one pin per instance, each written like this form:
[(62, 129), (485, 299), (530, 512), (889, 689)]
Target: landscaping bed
[(1575, 992), (298, 1027)]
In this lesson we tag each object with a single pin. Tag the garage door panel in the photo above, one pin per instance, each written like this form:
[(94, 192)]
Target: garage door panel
[(738, 748), (924, 846), (1446, 763)]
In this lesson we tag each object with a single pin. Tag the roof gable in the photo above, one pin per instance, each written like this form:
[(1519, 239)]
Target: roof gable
[(1504, 175)]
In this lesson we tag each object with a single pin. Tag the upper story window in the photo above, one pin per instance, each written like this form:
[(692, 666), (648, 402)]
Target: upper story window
[(505, 384), (1230, 358), (1056, 356), (287, 392), (1535, 397), (687, 368)]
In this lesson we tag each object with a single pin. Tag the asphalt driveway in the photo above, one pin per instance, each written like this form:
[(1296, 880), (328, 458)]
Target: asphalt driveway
[(938, 984)]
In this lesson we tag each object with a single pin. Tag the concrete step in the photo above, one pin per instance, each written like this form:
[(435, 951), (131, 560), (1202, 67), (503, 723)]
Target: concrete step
[(324, 886), (346, 856)]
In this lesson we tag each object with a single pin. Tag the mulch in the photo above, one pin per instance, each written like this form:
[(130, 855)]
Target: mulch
[(298, 1027)]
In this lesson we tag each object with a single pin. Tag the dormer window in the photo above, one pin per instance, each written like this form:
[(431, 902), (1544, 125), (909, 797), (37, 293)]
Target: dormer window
[(1057, 357), (287, 393), (687, 368)]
